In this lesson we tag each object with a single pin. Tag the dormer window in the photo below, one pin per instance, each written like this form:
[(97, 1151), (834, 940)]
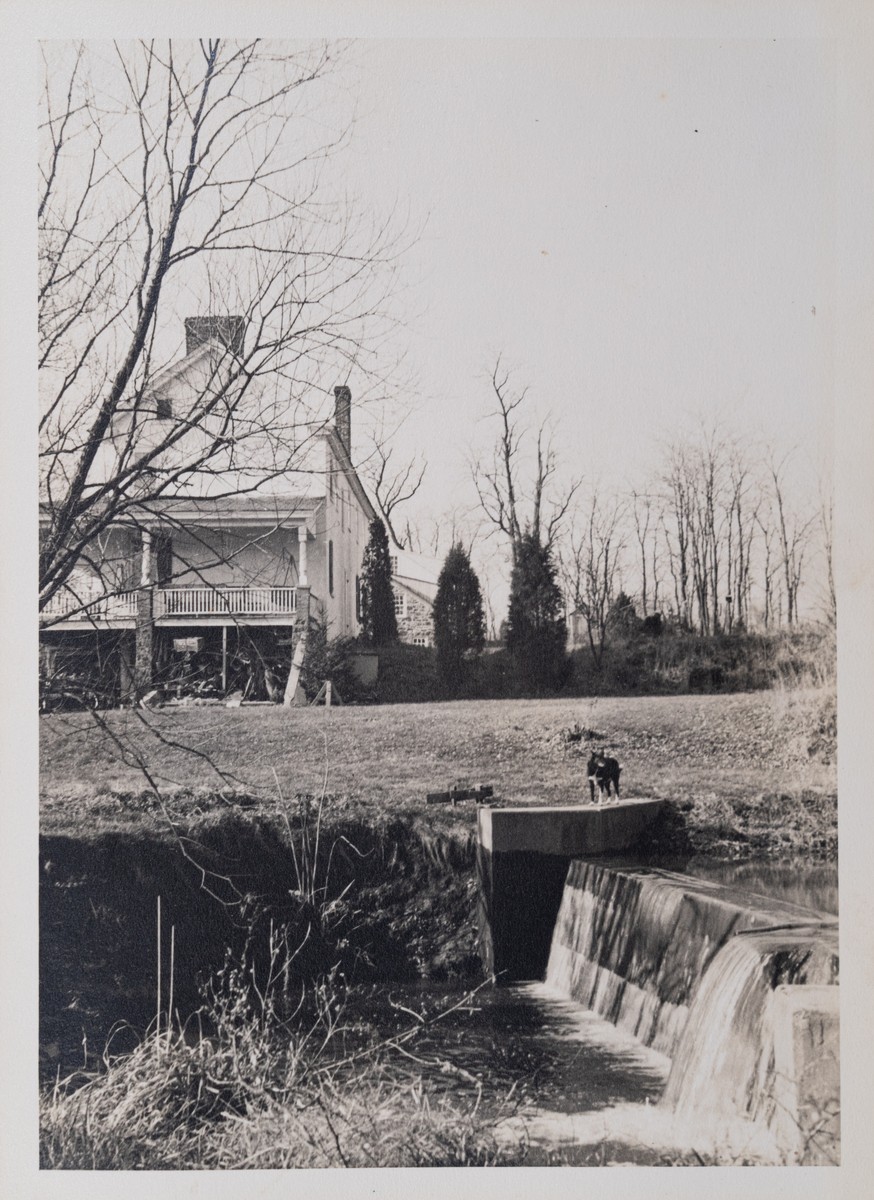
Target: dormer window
[(163, 408)]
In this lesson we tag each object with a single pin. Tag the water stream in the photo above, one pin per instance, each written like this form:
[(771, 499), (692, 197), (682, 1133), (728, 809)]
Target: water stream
[(553, 1075), (648, 1042)]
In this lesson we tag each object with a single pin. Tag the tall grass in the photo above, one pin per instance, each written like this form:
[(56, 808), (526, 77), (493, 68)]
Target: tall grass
[(264, 1076), (269, 1072)]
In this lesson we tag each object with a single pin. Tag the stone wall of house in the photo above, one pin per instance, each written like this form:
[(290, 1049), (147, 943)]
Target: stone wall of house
[(415, 622)]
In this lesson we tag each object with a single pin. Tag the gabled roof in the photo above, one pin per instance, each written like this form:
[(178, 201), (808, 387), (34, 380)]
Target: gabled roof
[(283, 463), (421, 568), (405, 586)]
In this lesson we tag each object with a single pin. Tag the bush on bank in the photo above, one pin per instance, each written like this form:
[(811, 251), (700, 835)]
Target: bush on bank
[(673, 663), (269, 1088)]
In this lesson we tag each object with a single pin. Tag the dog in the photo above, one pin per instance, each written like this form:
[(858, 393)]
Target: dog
[(604, 772)]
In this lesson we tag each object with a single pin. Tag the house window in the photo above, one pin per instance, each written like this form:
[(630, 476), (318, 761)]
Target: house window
[(163, 408), (331, 567), (393, 559), (400, 604), (421, 640), (358, 598)]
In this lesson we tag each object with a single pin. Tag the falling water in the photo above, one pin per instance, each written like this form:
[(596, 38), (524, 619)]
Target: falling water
[(724, 1063), (689, 967)]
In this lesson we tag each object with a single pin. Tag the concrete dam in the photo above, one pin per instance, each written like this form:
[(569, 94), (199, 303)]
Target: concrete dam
[(738, 991)]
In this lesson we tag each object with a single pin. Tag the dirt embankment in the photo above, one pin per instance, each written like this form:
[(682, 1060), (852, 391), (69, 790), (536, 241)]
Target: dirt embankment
[(324, 895), (392, 898)]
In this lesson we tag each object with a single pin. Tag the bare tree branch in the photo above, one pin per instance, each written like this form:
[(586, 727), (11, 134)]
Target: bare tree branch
[(501, 481), (171, 171)]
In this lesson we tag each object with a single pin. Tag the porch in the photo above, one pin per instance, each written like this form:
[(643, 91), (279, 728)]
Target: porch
[(176, 606), (226, 605), (69, 609)]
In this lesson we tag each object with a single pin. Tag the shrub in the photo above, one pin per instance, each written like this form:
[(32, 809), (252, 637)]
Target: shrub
[(331, 658), (459, 620), (536, 633), (379, 624)]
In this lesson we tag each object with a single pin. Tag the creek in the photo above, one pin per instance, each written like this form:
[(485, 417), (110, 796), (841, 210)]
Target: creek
[(649, 1040), (591, 1057)]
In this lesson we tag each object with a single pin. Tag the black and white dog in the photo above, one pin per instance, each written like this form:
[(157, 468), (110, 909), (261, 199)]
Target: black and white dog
[(604, 772)]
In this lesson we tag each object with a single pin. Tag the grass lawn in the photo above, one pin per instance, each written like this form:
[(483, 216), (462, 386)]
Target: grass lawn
[(731, 749)]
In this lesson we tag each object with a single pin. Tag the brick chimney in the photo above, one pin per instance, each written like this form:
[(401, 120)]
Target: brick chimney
[(230, 331), (343, 416)]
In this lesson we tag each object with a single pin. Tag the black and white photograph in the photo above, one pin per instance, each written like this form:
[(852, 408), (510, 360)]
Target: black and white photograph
[(451, 524)]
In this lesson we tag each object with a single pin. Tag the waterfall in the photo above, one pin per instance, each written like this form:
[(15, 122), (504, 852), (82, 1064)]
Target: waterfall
[(724, 1063), (689, 967)]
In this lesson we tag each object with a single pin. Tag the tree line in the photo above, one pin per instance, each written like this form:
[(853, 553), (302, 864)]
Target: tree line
[(713, 542)]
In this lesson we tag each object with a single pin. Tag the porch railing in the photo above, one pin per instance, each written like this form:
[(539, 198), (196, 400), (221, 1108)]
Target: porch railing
[(221, 601), (71, 607)]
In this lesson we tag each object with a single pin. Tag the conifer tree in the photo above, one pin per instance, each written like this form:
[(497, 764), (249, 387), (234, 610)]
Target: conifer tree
[(379, 625), (459, 619), (536, 633)]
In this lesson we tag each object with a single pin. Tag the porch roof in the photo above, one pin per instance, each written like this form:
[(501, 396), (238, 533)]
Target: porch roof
[(230, 510)]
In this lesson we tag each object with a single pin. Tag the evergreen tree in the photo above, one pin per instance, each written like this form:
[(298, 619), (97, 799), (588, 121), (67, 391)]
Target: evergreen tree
[(379, 625), (459, 620), (536, 633)]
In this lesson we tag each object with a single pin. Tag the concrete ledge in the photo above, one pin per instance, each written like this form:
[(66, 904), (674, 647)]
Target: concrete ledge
[(522, 861), (571, 831), (807, 1118)]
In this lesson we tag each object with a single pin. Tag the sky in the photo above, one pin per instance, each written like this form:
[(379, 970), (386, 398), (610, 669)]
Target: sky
[(643, 230)]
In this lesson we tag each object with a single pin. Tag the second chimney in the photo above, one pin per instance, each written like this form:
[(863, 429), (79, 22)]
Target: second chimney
[(343, 416)]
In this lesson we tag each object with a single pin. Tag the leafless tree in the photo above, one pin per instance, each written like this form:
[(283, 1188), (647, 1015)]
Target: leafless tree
[(518, 496), (675, 518), (591, 568), (744, 500), (393, 484), (827, 529), (769, 565), (793, 533), (189, 174), (709, 520), (646, 516)]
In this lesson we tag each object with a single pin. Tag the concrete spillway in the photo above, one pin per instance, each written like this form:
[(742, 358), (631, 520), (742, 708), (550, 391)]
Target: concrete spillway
[(737, 990), (523, 856)]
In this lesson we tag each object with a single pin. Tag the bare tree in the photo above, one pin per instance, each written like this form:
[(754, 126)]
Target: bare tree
[(709, 518), (676, 518), (827, 529), (518, 497), (592, 567), (646, 516), (176, 171), (393, 484), (768, 568), (744, 503), (793, 536)]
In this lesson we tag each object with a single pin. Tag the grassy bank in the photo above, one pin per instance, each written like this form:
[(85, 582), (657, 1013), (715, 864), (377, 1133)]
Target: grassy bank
[(384, 760), (749, 777), (308, 831)]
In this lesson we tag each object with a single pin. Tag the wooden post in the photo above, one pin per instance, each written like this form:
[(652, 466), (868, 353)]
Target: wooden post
[(292, 687), (302, 556), (327, 693)]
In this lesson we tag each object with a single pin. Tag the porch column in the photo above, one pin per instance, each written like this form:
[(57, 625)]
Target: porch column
[(145, 631), (294, 693), (302, 556), (144, 654), (146, 563)]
